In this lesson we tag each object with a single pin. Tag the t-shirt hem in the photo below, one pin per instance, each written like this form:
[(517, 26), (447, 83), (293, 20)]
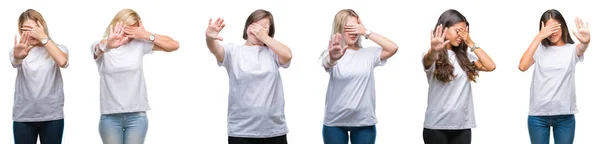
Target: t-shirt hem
[(37, 119), (553, 113), (257, 135), (349, 124), (125, 111), (451, 127)]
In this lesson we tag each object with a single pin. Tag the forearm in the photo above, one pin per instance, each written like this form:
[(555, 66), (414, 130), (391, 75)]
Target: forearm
[(282, 51), (486, 61), (386, 44), (430, 57), (215, 48), (165, 42), (581, 48), (527, 58), (16, 62), (60, 57)]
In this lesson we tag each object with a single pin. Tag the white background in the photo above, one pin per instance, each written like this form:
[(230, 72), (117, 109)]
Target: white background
[(188, 91)]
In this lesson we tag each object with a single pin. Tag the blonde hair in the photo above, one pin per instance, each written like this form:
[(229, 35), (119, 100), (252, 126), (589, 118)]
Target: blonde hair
[(127, 16), (339, 22), (34, 15)]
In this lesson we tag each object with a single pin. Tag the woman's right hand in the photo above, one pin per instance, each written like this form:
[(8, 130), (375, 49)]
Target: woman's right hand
[(21, 49), (117, 37), (213, 30), (437, 38), (336, 51), (546, 31)]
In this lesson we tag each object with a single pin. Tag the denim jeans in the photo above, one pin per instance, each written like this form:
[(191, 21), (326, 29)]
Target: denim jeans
[(50, 132), (358, 135), (563, 128), (123, 128)]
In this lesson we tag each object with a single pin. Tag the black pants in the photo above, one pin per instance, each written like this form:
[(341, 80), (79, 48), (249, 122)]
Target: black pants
[(272, 140), (50, 132), (431, 136)]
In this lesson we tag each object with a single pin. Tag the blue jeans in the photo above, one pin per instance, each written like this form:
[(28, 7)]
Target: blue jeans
[(358, 135), (563, 128), (50, 132), (123, 128)]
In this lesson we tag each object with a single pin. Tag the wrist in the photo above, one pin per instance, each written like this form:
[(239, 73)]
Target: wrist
[(470, 43)]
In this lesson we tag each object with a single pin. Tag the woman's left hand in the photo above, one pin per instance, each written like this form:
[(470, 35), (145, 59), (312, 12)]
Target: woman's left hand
[(38, 32), (137, 32), (583, 31), (464, 35), (356, 29)]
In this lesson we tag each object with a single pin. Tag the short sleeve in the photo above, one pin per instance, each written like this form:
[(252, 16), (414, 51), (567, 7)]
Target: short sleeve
[(537, 52), (147, 47), (377, 56), (472, 56), (226, 54), (64, 50), (11, 56), (276, 59)]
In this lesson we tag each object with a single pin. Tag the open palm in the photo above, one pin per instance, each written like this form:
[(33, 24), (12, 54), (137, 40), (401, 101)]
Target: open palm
[(117, 37), (213, 30), (21, 49), (336, 50), (437, 39), (583, 31)]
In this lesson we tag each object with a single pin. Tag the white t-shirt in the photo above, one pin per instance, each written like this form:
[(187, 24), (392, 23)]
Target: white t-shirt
[(350, 98), (122, 83), (553, 82), (450, 105), (39, 94), (256, 104)]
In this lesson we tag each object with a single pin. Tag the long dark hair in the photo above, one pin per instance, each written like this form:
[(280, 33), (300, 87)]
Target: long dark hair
[(444, 70), (554, 14)]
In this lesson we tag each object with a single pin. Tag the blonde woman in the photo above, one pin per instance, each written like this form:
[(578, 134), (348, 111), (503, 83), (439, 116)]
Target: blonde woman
[(256, 113), (39, 96), (350, 99), (123, 97)]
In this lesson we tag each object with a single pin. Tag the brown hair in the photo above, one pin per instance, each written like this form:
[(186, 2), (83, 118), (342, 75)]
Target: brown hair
[(127, 16), (256, 16), (444, 70), (554, 14), (34, 15)]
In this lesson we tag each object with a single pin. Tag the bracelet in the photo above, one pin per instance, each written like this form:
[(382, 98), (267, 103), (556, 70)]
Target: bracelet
[(329, 62), (100, 48)]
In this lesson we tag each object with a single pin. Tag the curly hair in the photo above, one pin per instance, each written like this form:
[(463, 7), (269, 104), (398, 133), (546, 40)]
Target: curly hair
[(444, 69)]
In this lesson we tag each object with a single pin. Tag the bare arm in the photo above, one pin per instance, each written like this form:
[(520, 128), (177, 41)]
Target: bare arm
[(282, 51), (527, 58), (389, 47), (60, 57), (213, 38), (583, 35), (165, 43)]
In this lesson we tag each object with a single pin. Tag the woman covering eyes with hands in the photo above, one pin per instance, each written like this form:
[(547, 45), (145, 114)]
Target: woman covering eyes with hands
[(450, 68), (256, 104), (123, 95), (554, 56), (39, 95), (350, 98)]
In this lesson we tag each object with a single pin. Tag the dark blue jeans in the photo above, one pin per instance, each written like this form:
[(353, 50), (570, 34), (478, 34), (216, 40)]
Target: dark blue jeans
[(563, 128), (50, 132), (358, 135)]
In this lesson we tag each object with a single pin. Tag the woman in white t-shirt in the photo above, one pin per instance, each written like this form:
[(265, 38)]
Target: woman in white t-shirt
[(39, 95), (552, 98), (350, 98), (450, 68), (123, 95), (256, 104)]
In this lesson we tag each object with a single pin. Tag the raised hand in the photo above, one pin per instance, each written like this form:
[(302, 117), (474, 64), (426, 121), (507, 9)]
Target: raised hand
[(38, 32), (336, 50), (546, 31), (21, 48), (583, 31), (117, 36), (356, 28), (213, 29), (437, 38), (138, 32)]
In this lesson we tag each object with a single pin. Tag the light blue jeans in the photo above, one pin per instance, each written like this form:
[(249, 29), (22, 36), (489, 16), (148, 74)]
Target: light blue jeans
[(563, 127), (123, 128)]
